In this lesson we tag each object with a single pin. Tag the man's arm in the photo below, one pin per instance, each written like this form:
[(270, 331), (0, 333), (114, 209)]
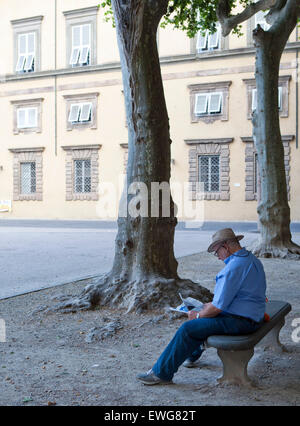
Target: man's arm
[(208, 311)]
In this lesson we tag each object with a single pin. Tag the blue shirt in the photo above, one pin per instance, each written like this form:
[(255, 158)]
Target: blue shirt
[(241, 286)]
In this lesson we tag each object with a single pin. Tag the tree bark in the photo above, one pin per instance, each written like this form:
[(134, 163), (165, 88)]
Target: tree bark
[(144, 274), (273, 208)]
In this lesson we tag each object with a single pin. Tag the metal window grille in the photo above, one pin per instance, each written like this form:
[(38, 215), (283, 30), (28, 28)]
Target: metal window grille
[(209, 172), (82, 175), (28, 178)]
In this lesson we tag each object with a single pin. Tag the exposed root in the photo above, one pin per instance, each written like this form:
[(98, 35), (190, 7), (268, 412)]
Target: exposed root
[(289, 251), (153, 293)]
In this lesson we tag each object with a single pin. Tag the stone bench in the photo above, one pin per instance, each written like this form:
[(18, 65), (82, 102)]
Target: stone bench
[(236, 351)]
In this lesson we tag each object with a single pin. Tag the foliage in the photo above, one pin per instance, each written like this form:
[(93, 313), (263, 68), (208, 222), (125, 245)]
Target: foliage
[(189, 16)]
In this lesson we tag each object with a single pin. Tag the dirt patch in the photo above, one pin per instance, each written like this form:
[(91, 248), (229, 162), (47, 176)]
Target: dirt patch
[(92, 357)]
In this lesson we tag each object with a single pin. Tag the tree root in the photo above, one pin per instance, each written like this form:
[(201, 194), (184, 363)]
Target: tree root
[(289, 251), (150, 293)]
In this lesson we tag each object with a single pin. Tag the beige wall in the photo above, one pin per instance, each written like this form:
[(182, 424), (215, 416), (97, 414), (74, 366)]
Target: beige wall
[(111, 131)]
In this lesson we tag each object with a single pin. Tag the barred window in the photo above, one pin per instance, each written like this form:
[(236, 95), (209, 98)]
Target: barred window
[(28, 178), (82, 176), (209, 172)]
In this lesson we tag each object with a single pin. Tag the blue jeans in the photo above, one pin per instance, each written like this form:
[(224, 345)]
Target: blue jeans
[(188, 339)]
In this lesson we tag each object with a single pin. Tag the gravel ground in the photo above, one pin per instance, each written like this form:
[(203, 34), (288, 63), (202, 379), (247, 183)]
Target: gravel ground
[(53, 359)]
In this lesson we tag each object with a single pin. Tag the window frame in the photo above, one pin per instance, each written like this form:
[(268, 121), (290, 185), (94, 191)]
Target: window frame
[(207, 38), (80, 101), (80, 17), (209, 174), (27, 104)]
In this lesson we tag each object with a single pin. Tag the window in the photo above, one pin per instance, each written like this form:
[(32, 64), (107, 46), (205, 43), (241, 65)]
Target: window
[(28, 178), (82, 172), (254, 99), (207, 41), (81, 45), (26, 118), (27, 44), (81, 36), (80, 113), (27, 174), (209, 163), (81, 110), (26, 52), (209, 172), (82, 176), (208, 103)]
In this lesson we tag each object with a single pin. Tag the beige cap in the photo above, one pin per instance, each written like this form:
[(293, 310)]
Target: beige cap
[(221, 236)]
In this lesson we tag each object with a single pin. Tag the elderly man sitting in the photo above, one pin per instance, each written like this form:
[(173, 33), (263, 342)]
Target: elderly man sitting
[(237, 308)]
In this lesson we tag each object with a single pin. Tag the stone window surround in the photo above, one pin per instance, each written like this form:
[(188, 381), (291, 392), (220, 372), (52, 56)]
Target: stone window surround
[(81, 16), (283, 82), (209, 147), (224, 45), (218, 86), (250, 152), (22, 155), (27, 103), (79, 98), (82, 152), (28, 25)]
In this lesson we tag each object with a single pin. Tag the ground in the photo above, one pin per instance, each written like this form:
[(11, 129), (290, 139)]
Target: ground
[(52, 359)]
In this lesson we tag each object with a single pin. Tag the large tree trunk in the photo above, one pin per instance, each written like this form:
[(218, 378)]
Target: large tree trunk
[(144, 273), (273, 208)]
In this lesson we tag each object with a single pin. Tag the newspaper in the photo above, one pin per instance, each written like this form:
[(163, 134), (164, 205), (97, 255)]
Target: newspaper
[(188, 304)]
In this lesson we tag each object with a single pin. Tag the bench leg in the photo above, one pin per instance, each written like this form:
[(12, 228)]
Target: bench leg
[(235, 366), (271, 340)]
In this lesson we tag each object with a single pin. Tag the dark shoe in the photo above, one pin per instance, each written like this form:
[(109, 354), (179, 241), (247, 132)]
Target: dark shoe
[(151, 379)]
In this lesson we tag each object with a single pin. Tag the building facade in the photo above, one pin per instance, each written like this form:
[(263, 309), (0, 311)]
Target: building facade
[(63, 129)]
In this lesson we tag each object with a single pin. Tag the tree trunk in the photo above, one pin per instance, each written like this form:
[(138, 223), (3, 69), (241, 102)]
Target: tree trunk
[(144, 273), (273, 208)]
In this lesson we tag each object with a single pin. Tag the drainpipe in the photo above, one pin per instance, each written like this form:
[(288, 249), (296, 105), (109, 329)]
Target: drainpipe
[(297, 87), (55, 78)]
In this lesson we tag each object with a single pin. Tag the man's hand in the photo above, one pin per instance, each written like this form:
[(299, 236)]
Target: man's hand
[(208, 311)]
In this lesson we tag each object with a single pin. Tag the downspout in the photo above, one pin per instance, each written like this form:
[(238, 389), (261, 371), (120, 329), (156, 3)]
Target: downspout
[(297, 87), (55, 79)]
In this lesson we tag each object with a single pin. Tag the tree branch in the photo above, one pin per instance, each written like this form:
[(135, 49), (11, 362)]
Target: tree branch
[(229, 22)]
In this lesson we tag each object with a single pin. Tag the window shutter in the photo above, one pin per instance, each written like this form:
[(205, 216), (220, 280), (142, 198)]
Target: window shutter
[(21, 118), (32, 117), (84, 55), (280, 97), (201, 104), (201, 40), (254, 99), (214, 39), (86, 110), (86, 35), (215, 103), (74, 113), (22, 51)]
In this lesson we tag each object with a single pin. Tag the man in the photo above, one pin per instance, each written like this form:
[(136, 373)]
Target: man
[(237, 308)]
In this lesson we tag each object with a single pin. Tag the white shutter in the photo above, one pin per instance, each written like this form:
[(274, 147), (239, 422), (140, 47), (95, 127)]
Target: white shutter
[(76, 44), (74, 113), (74, 56), (202, 41), (29, 63), (280, 98), (84, 55), (215, 103), (201, 103), (254, 99), (22, 52), (21, 118), (32, 117), (214, 39), (85, 114), (86, 35), (20, 63)]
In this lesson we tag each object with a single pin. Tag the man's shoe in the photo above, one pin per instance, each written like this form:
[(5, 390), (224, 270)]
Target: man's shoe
[(190, 364), (151, 379)]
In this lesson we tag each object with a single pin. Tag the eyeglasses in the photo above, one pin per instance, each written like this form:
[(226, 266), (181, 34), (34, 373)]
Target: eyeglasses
[(216, 252)]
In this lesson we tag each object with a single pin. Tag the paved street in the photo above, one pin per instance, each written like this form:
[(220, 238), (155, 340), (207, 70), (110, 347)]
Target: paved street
[(40, 254)]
